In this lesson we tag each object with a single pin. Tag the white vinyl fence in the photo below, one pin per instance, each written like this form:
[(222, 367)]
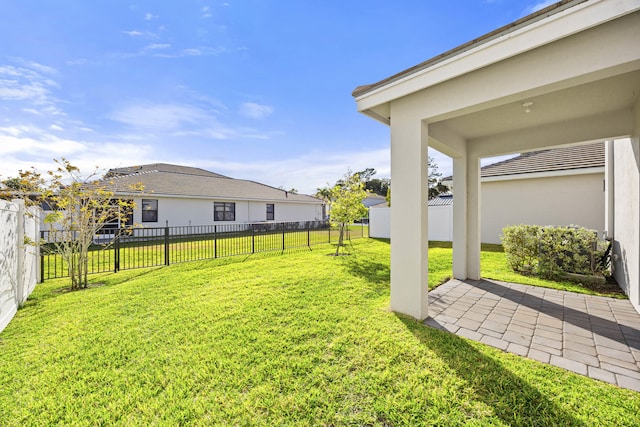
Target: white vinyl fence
[(440, 223), (19, 264)]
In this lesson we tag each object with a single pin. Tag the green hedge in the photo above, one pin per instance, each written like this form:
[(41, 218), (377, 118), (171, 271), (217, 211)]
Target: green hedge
[(551, 251)]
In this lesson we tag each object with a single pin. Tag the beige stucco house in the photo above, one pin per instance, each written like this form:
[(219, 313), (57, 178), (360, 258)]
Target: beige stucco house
[(565, 75)]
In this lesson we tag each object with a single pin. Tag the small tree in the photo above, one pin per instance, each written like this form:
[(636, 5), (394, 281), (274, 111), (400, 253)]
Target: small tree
[(436, 186), (77, 208), (27, 185), (347, 206)]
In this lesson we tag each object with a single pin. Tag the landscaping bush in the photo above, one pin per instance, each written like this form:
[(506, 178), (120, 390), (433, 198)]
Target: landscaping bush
[(520, 244), (551, 252)]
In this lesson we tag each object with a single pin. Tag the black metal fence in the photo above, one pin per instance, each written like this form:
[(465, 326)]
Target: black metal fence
[(130, 248)]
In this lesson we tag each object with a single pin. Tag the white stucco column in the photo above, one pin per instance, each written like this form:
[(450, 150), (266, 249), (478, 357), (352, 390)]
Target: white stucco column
[(466, 217), (409, 228), (460, 218), (473, 217)]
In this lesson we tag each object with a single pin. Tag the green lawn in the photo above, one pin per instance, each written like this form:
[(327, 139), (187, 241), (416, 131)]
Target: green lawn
[(299, 339)]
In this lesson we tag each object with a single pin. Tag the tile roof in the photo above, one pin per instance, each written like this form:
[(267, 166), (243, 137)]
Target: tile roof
[(173, 180), (557, 159)]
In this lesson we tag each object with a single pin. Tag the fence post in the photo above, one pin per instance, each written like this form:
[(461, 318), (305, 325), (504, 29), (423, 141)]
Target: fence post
[(283, 227), (116, 252), (309, 234), (215, 241), (40, 243), (253, 239), (329, 228), (166, 246)]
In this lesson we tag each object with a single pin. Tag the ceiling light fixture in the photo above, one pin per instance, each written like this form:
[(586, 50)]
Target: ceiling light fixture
[(527, 106)]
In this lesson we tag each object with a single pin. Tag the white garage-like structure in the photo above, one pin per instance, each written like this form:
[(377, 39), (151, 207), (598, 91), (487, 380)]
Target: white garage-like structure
[(565, 75)]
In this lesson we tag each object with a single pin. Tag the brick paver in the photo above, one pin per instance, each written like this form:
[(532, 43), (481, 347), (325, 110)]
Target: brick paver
[(594, 336)]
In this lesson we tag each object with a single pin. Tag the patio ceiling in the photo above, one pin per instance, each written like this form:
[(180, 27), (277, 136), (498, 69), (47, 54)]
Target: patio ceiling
[(615, 95)]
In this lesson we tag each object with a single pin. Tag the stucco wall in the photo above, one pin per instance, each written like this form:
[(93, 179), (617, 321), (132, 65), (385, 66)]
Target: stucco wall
[(558, 200), (18, 261), (380, 223), (185, 211), (440, 223), (626, 213)]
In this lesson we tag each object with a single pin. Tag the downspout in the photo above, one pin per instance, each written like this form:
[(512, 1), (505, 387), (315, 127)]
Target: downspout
[(609, 199)]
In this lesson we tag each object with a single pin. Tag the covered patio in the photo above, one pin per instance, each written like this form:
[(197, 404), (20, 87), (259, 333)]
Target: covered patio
[(565, 75)]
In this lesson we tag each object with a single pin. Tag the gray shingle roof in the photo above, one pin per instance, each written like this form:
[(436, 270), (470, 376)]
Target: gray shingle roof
[(172, 180), (161, 167), (557, 159)]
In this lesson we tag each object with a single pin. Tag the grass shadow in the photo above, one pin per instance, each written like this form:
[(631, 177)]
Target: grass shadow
[(513, 400), (369, 270)]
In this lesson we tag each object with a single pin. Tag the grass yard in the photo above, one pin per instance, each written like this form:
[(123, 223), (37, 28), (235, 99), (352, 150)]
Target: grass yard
[(303, 339)]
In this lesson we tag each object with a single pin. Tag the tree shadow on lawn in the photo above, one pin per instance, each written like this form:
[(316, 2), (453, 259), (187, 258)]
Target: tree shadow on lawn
[(514, 400), (46, 290)]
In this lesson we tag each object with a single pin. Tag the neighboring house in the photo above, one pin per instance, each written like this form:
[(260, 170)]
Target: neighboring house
[(180, 196), (562, 186), (565, 75), (373, 199)]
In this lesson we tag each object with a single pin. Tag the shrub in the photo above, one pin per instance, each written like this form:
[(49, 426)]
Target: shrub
[(520, 244), (552, 251)]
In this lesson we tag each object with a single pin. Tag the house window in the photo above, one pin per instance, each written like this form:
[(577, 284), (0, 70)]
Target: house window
[(224, 211), (114, 217), (149, 210), (271, 212)]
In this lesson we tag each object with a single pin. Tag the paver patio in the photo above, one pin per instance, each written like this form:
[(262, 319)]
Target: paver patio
[(594, 336)]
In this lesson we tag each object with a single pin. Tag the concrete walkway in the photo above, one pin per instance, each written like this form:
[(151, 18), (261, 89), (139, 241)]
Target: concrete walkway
[(594, 336)]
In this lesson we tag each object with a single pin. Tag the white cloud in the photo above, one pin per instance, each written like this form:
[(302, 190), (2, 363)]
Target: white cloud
[(79, 61), (22, 147), (538, 6), (149, 120), (18, 142), (150, 16), (141, 34), (306, 172), (255, 111), (194, 51), (56, 127), (133, 33), (160, 117), (206, 12), (22, 83), (155, 46)]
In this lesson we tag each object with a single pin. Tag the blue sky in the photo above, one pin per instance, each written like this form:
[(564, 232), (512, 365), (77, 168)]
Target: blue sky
[(253, 89)]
